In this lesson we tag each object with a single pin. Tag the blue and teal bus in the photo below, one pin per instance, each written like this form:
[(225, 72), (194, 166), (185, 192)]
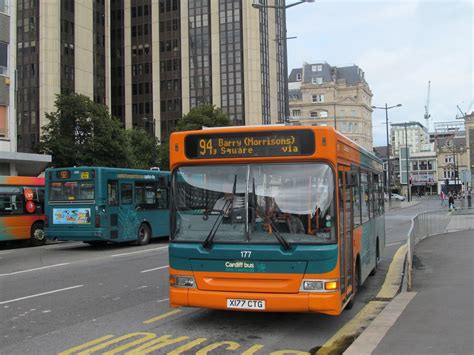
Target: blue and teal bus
[(98, 205)]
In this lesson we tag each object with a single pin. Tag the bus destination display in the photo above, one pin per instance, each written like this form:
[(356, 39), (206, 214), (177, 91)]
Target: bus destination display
[(250, 144)]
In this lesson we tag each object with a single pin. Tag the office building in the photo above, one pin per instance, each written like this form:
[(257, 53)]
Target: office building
[(321, 94), (11, 161), (150, 61)]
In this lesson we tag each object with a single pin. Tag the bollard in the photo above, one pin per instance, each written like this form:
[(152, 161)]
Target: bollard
[(469, 201)]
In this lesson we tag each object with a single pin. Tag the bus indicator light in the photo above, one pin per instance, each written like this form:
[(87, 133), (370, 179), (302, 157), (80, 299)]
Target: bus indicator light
[(331, 285)]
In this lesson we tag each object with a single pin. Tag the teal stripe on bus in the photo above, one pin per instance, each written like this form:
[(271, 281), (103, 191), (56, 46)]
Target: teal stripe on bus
[(310, 259)]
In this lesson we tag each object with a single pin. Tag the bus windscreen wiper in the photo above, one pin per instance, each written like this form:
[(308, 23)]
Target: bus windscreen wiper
[(275, 230), (217, 223)]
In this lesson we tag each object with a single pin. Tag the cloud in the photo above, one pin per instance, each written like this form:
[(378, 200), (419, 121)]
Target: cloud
[(400, 45)]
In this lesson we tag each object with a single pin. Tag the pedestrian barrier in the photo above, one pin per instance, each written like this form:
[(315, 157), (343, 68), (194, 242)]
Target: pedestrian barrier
[(427, 224)]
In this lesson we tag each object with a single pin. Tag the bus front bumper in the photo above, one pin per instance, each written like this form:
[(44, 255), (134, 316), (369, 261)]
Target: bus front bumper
[(77, 234), (327, 303)]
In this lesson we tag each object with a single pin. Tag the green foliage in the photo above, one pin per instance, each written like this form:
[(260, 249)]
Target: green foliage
[(144, 150), (203, 115), (82, 132)]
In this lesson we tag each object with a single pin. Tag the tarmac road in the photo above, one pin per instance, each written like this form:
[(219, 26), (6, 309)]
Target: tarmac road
[(73, 298)]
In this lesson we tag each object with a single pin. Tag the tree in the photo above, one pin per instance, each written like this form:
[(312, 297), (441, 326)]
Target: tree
[(203, 115), (144, 149), (82, 132)]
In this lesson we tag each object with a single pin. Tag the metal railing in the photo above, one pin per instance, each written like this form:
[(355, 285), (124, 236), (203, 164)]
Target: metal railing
[(427, 224)]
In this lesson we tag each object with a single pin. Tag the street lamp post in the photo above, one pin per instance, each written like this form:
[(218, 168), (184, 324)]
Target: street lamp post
[(153, 122), (407, 163), (388, 188), (259, 4)]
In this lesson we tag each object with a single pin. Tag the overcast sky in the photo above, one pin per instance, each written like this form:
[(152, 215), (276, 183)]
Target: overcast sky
[(400, 45)]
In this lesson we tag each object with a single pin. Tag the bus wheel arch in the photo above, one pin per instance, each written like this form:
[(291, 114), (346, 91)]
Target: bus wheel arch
[(356, 283), (144, 233), (377, 257), (37, 236)]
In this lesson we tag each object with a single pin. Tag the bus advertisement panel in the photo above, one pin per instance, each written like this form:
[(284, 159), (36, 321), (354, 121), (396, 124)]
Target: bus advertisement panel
[(276, 219), (22, 209), (97, 205)]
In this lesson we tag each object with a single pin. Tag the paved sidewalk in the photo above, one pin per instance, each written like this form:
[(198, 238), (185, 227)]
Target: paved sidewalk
[(437, 317)]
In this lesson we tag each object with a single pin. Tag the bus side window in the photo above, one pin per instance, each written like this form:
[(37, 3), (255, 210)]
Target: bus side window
[(112, 193), (126, 194), (162, 197)]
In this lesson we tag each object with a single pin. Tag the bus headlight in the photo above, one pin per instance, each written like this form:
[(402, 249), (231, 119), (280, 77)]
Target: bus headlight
[(182, 281), (319, 285)]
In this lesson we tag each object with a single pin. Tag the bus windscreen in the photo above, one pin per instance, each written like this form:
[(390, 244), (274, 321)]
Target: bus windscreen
[(72, 191)]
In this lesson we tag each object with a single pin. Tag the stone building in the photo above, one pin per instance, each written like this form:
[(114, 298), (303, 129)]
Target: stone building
[(321, 94)]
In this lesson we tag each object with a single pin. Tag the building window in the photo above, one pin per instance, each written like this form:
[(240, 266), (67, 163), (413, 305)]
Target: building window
[(319, 67), (298, 77), (3, 121), (296, 113), (317, 81), (3, 58), (4, 8), (323, 114), (314, 114), (318, 98)]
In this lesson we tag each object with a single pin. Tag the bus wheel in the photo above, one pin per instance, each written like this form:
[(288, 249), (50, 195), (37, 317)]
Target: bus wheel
[(37, 235), (144, 234)]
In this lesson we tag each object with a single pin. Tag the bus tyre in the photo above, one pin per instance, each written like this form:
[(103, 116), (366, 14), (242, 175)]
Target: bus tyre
[(37, 235), (144, 234)]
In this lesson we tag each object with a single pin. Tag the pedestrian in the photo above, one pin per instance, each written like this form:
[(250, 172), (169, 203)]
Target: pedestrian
[(451, 202), (443, 198)]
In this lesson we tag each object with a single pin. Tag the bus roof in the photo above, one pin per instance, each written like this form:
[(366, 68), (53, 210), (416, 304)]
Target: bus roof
[(112, 169), (267, 142)]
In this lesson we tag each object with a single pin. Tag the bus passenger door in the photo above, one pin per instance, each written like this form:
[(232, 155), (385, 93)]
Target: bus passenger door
[(113, 207), (345, 232)]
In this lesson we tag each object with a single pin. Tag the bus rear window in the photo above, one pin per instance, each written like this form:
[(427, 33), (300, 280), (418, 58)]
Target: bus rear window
[(71, 191)]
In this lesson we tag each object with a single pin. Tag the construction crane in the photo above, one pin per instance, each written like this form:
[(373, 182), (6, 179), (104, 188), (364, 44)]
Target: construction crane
[(427, 107)]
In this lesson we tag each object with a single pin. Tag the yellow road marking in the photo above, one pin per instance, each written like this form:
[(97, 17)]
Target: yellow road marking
[(393, 279), (289, 352), (153, 345), (231, 345), (252, 350), (85, 345), (187, 346), (352, 328), (144, 337), (160, 317)]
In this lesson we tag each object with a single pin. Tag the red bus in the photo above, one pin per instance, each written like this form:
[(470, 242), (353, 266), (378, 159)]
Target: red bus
[(22, 209)]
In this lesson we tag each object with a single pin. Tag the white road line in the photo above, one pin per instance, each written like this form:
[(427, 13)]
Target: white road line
[(137, 252), (390, 244), (41, 294), (156, 268), (35, 269), (5, 252), (163, 300)]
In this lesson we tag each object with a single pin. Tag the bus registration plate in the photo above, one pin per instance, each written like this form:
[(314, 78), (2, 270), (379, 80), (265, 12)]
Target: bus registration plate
[(245, 304)]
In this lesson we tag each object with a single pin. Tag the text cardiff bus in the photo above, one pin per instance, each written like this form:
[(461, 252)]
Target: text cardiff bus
[(98, 205), (273, 218), (22, 209)]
